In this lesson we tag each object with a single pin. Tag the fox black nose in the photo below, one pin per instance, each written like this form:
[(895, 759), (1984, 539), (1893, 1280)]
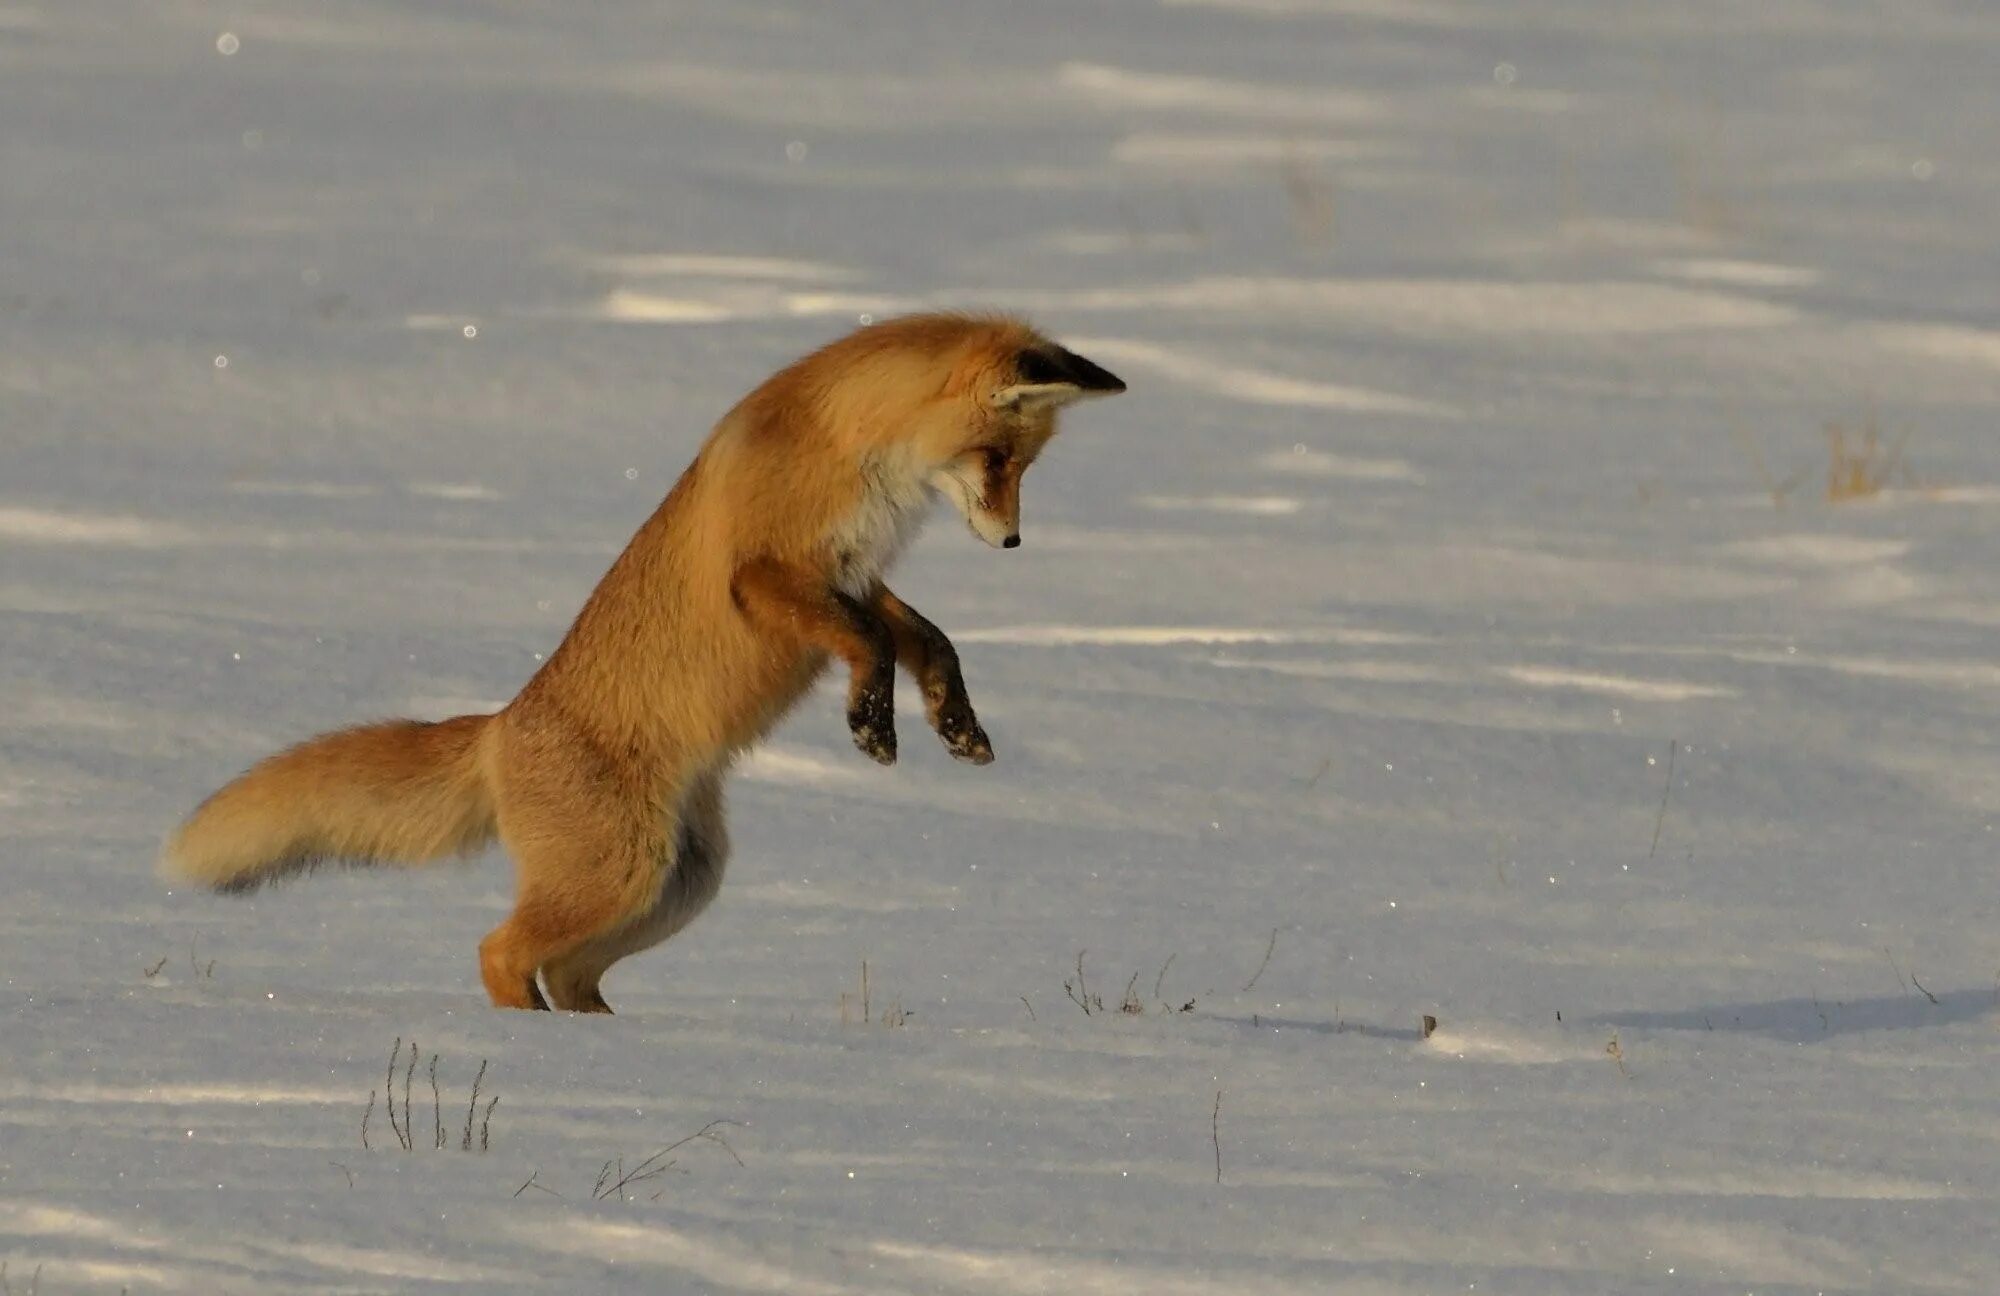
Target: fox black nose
[(1011, 542)]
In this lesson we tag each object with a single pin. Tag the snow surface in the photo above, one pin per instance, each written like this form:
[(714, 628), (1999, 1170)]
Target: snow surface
[(1471, 480)]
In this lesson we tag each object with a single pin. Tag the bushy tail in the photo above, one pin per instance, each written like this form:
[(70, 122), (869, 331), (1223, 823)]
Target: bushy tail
[(401, 792)]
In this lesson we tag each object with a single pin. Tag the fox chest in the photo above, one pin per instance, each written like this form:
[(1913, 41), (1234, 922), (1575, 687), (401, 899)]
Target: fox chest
[(881, 525)]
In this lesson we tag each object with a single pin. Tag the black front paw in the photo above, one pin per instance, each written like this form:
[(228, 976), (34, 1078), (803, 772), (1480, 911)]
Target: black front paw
[(872, 720), (962, 735)]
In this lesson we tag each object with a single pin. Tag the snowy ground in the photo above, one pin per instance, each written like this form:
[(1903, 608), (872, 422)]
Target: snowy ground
[(1473, 476)]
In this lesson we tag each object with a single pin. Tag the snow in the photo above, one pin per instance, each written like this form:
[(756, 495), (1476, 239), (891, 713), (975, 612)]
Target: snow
[(1454, 594)]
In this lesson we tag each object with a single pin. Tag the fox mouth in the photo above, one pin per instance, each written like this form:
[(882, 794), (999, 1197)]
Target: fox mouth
[(970, 501), (1006, 540), (992, 533)]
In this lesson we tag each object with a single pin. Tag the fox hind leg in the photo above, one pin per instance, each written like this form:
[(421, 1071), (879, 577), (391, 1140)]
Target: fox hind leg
[(692, 877), (584, 872), (505, 986)]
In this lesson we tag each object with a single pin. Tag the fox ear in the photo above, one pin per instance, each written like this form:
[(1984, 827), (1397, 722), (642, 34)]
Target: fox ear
[(1051, 377), (1027, 396)]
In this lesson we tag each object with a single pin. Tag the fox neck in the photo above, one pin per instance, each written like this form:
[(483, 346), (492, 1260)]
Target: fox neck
[(894, 501)]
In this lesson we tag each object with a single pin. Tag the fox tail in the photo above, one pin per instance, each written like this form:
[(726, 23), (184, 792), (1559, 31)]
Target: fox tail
[(398, 792)]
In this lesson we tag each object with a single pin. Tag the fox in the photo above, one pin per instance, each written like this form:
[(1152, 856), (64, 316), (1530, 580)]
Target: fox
[(603, 778)]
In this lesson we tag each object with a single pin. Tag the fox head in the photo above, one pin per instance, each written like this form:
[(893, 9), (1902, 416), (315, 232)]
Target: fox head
[(1015, 386)]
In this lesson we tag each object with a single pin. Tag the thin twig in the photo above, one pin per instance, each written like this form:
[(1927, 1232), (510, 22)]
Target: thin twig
[(659, 1163), (1900, 984), (472, 1107), (1031, 1008), (1215, 1133), (1163, 972), (1673, 747), (389, 1087), (365, 1114), (1920, 985), (437, 1107), (344, 1170), (532, 1184), (1079, 989), (1266, 963), (486, 1123), (1778, 489), (34, 1281), (864, 992), (409, 1074)]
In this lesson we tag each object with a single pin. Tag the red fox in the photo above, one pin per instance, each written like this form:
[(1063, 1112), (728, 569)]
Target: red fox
[(603, 777)]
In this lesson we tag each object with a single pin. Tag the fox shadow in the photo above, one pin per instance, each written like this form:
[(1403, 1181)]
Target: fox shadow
[(1802, 1021), (1262, 1022)]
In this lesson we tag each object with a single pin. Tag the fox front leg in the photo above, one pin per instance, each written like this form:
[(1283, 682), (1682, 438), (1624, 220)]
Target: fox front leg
[(787, 600), (929, 657), (871, 691)]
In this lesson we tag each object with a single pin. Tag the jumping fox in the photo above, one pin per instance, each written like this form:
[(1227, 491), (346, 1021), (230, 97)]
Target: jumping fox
[(603, 777)]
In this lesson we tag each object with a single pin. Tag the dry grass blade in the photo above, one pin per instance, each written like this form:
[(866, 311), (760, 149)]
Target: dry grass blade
[(437, 1107), (1273, 944), (1779, 490), (472, 1107), (1079, 990), (389, 1092), (1659, 820), (402, 1124), (541, 1187), (1215, 1133), (409, 1127), (614, 1179), (1310, 196), (1860, 467)]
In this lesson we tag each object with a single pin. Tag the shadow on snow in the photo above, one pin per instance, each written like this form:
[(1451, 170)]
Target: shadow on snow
[(1805, 1020)]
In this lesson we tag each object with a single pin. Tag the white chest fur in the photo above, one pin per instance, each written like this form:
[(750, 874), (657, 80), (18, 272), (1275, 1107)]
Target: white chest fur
[(894, 502)]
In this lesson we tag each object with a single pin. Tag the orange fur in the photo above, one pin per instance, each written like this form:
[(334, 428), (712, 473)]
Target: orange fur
[(603, 777)]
